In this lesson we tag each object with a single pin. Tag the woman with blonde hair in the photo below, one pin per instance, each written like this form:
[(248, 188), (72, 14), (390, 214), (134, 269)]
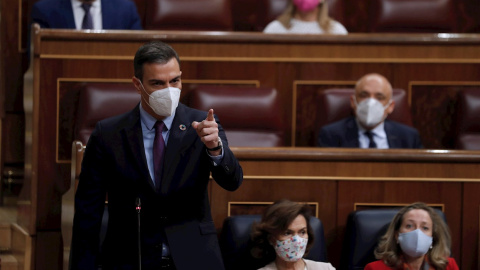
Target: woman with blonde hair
[(417, 238), (305, 17)]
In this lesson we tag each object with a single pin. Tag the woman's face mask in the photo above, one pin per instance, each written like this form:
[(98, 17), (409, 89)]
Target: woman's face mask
[(415, 243), (165, 101), (291, 249), (306, 5), (370, 112)]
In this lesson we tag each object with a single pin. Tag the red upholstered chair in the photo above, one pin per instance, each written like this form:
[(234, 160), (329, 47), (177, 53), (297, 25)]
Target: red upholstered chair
[(334, 105), (205, 15), (468, 120), (426, 16), (250, 116), (268, 11), (98, 101)]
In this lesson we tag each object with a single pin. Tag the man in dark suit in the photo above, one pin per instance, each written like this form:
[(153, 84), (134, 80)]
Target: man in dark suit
[(121, 160), (68, 14), (372, 103)]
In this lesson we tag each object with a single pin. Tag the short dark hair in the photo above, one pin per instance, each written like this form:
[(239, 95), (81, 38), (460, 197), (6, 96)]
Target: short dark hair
[(275, 220), (153, 52)]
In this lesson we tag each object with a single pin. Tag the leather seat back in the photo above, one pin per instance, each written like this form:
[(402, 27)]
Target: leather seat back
[(98, 101), (205, 15), (250, 116), (409, 16), (467, 128)]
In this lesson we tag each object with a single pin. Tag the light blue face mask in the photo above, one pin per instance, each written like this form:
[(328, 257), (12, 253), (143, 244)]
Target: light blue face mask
[(415, 243)]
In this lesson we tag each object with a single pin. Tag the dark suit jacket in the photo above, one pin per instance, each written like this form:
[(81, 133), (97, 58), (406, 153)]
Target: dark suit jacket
[(344, 133), (116, 14), (115, 164)]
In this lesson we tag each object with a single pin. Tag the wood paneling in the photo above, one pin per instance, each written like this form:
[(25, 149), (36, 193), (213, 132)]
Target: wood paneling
[(288, 63)]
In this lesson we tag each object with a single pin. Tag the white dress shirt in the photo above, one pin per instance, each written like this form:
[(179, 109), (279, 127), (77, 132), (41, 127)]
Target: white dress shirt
[(303, 27), (95, 11), (379, 136)]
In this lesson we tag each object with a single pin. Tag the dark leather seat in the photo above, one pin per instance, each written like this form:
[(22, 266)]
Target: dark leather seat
[(206, 15), (98, 101), (236, 243), (363, 231), (334, 105), (249, 115), (468, 120), (409, 16)]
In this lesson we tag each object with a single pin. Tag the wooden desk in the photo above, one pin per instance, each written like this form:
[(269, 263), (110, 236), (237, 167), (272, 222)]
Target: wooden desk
[(431, 67), (344, 180)]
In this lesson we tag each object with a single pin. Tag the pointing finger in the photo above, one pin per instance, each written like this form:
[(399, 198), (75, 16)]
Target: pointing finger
[(210, 115)]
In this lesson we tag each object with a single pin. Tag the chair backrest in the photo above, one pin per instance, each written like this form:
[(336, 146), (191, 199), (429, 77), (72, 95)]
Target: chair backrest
[(363, 231), (426, 16), (334, 105), (206, 15), (98, 101), (468, 120), (235, 242), (250, 116)]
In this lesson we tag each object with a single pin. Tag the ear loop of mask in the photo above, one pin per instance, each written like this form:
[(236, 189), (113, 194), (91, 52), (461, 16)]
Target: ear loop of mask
[(141, 84)]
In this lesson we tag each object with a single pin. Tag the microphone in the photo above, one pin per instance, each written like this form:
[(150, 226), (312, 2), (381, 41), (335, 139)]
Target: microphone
[(138, 207)]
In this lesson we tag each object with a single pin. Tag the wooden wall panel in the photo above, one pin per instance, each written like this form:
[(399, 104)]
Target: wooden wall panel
[(288, 63)]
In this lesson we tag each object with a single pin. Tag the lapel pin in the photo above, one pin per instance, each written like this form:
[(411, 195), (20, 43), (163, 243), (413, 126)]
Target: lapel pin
[(182, 127)]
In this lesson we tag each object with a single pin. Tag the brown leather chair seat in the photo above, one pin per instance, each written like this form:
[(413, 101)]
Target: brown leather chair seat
[(249, 115), (206, 15), (468, 120), (410, 16), (98, 101)]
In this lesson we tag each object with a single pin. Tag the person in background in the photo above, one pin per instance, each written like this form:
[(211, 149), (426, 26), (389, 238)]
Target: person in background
[(87, 14), (284, 236), (417, 239), (372, 103), (305, 17)]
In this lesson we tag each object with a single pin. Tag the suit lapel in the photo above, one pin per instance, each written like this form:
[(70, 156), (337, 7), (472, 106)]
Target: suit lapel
[(134, 140), (179, 139), (107, 14), (351, 137), (67, 13), (393, 140)]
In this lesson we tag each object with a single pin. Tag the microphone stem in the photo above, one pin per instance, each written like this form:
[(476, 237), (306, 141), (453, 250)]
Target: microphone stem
[(138, 208)]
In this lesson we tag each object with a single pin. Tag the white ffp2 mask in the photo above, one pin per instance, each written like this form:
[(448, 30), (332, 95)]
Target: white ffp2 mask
[(370, 112), (164, 101)]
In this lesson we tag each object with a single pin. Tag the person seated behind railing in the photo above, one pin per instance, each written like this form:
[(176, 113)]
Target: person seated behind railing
[(284, 236), (372, 103), (86, 14), (417, 238), (305, 17)]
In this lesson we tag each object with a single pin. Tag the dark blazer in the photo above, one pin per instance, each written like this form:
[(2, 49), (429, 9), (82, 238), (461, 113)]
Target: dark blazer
[(115, 164), (344, 133), (116, 14)]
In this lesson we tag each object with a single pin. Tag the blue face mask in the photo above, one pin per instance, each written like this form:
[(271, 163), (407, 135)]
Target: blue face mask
[(415, 243)]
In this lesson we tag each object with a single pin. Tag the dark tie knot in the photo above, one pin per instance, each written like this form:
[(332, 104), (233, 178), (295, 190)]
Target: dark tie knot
[(371, 143), (159, 126), (86, 7)]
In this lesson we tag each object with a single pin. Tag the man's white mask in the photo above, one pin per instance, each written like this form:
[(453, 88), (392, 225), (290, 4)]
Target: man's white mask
[(370, 112), (164, 101)]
